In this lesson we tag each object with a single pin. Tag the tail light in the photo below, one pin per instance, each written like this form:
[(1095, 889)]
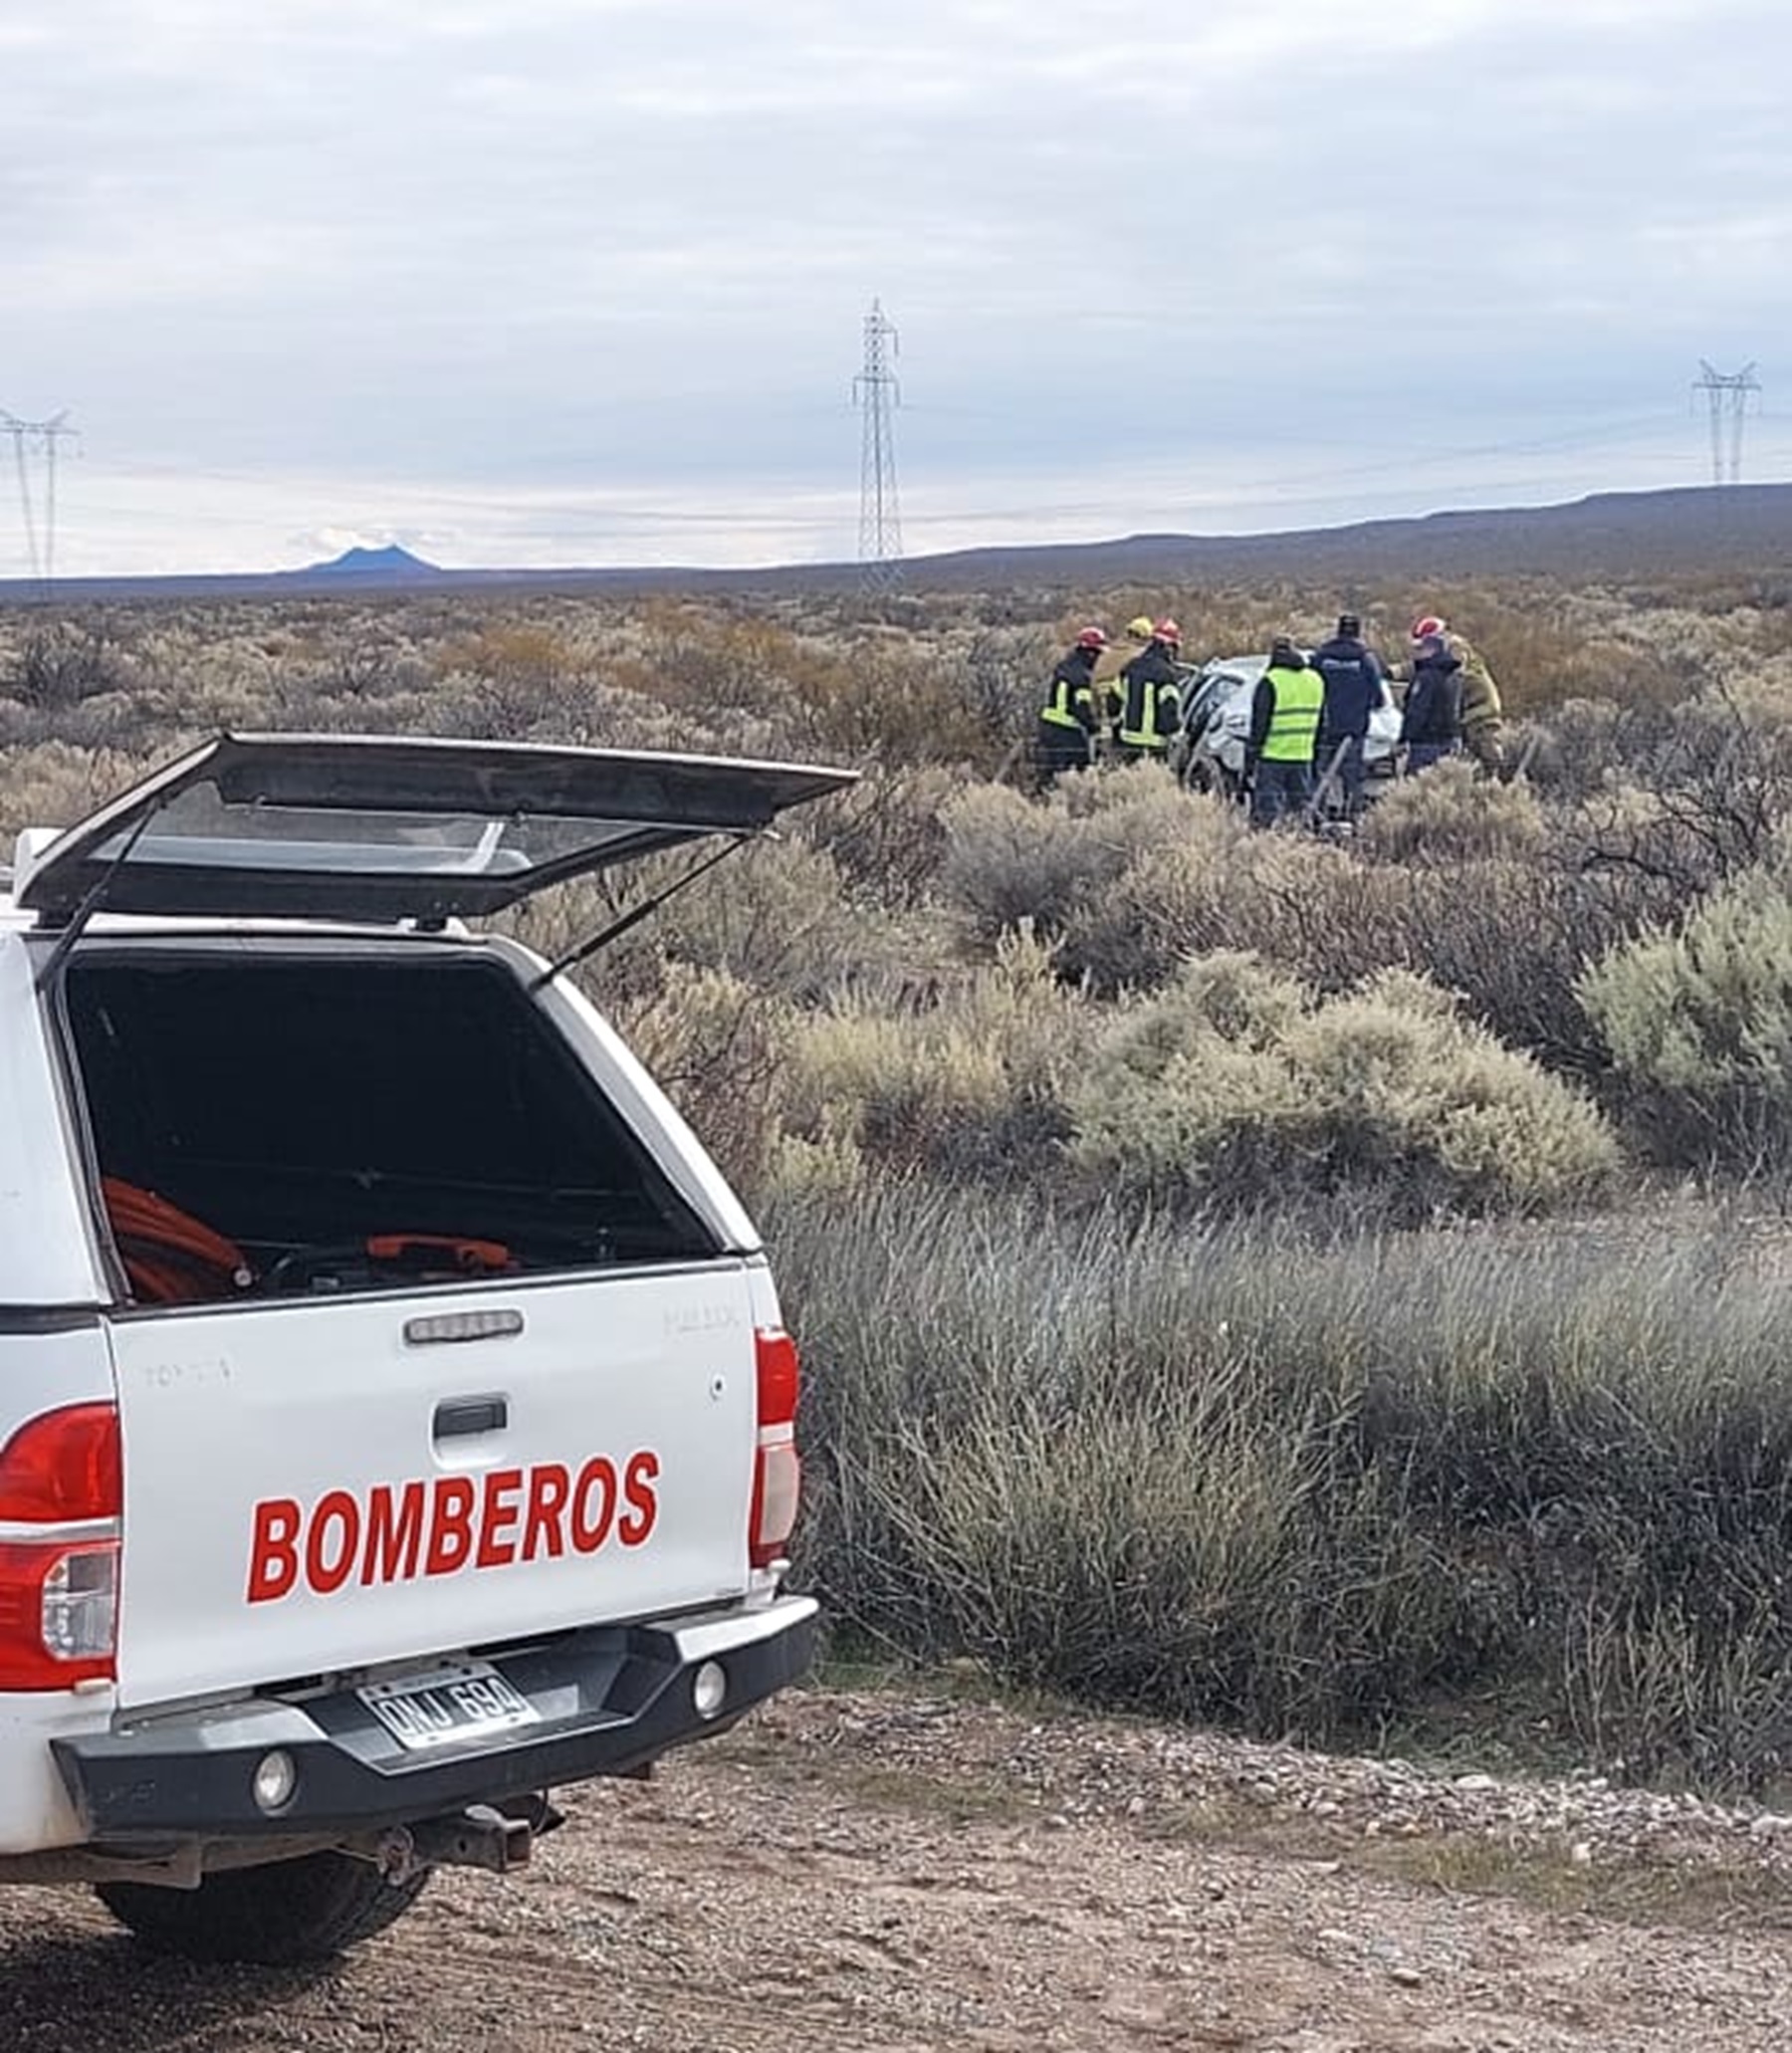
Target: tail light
[(776, 1472), (59, 1590)]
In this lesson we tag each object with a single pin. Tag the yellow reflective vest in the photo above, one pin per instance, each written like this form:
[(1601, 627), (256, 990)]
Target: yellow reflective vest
[(1295, 722)]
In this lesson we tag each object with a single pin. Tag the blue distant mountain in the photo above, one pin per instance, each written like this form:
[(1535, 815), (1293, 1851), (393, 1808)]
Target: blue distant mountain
[(388, 566)]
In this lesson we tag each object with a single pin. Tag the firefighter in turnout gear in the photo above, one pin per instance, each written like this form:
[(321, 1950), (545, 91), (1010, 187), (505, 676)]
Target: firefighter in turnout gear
[(1284, 731), (1151, 696), (1068, 719), (1109, 701)]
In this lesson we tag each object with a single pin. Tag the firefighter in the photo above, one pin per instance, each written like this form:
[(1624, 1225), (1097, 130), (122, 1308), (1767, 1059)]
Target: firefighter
[(1482, 713), (1284, 730), (1109, 701), (1151, 696), (1067, 720)]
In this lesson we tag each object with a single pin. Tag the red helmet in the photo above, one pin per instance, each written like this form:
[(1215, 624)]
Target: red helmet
[(1091, 639), (1167, 630), (1426, 626)]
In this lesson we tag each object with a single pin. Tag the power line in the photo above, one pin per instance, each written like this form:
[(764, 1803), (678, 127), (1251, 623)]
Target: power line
[(1729, 393), (878, 392)]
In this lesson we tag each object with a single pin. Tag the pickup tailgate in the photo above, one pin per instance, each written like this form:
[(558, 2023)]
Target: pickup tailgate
[(313, 1486)]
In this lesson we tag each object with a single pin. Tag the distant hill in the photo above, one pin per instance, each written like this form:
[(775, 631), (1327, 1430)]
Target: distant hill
[(388, 566), (1741, 530)]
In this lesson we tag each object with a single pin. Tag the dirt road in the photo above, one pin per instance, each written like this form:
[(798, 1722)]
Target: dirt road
[(857, 1871)]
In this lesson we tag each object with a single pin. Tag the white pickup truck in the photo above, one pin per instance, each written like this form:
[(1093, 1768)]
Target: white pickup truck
[(396, 1421)]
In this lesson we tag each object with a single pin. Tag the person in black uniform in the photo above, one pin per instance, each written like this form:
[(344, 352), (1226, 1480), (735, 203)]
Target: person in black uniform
[(1151, 689), (1068, 719)]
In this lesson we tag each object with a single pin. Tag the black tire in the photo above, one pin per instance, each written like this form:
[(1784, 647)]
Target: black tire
[(275, 1915)]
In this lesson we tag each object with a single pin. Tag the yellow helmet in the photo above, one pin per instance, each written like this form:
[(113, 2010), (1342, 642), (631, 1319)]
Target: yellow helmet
[(1138, 628)]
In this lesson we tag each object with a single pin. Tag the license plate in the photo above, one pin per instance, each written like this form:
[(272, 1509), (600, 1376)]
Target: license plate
[(447, 1706)]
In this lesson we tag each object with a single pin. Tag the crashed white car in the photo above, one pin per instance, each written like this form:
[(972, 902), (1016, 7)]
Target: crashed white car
[(1217, 726)]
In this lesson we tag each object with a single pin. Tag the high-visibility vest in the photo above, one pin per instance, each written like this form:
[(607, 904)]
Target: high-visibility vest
[(1141, 720), (1295, 722), (1069, 686)]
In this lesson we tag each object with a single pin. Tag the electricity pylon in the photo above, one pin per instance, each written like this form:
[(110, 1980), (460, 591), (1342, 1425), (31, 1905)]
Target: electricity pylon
[(1729, 393), (40, 526), (878, 393)]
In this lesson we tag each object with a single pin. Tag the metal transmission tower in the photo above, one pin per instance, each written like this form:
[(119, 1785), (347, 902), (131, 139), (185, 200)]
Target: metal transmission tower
[(878, 393), (1729, 393), (40, 520)]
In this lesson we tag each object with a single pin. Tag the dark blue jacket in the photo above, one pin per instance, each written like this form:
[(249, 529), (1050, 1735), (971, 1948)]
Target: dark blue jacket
[(1434, 703), (1353, 685)]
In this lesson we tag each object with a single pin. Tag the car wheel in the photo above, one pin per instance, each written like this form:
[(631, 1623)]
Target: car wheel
[(275, 1915)]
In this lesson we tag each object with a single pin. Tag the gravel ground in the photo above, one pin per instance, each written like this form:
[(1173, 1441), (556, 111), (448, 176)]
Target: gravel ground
[(900, 1871)]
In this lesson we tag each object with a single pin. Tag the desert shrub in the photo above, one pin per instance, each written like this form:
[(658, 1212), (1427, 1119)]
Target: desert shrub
[(1509, 937), (716, 1046), (1236, 1088), (968, 1083), (1698, 1022), (1004, 673), (60, 663), (1205, 882), (887, 832), (1011, 860), (1699, 793), (55, 784), (1576, 748), (1234, 1475), (780, 917), (1448, 813), (1029, 1444)]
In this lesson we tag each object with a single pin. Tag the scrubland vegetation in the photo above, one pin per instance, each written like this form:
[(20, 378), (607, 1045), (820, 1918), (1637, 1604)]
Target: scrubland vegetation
[(1320, 1287)]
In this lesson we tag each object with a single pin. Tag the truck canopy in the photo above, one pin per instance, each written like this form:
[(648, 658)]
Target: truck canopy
[(381, 827)]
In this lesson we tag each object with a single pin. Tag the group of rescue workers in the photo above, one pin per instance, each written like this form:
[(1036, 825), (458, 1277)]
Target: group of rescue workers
[(1310, 712)]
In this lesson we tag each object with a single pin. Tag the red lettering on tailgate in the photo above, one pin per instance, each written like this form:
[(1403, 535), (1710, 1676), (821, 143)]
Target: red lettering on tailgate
[(273, 1551), (395, 1533), (450, 1524), (549, 1485), (451, 1527), (499, 1512), (329, 1555), (643, 1500), (591, 1531)]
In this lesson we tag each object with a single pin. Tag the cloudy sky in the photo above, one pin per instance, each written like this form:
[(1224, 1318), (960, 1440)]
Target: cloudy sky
[(548, 282)]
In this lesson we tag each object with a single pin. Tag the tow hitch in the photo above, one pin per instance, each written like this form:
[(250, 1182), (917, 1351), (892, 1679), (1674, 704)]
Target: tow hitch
[(478, 1837)]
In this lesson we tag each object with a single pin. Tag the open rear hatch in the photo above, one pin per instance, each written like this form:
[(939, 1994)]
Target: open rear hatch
[(385, 827), (473, 1368)]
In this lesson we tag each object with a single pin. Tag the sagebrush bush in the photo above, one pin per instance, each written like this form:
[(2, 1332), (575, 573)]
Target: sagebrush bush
[(1236, 1088), (1698, 1022), (969, 1082), (1012, 859), (1207, 883), (716, 1046), (53, 783), (1448, 814)]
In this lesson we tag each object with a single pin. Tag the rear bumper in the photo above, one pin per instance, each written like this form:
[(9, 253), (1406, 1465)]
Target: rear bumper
[(608, 1701)]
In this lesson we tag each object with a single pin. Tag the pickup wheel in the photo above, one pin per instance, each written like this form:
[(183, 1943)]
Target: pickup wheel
[(274, 1916)]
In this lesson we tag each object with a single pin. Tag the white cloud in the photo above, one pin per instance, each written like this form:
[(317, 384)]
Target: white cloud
[(496, 256)]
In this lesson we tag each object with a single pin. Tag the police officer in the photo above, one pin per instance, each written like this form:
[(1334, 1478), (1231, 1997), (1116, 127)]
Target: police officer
[(1354, 688)]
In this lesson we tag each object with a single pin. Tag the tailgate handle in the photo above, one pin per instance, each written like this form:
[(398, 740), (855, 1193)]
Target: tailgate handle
[(471, 1415)]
